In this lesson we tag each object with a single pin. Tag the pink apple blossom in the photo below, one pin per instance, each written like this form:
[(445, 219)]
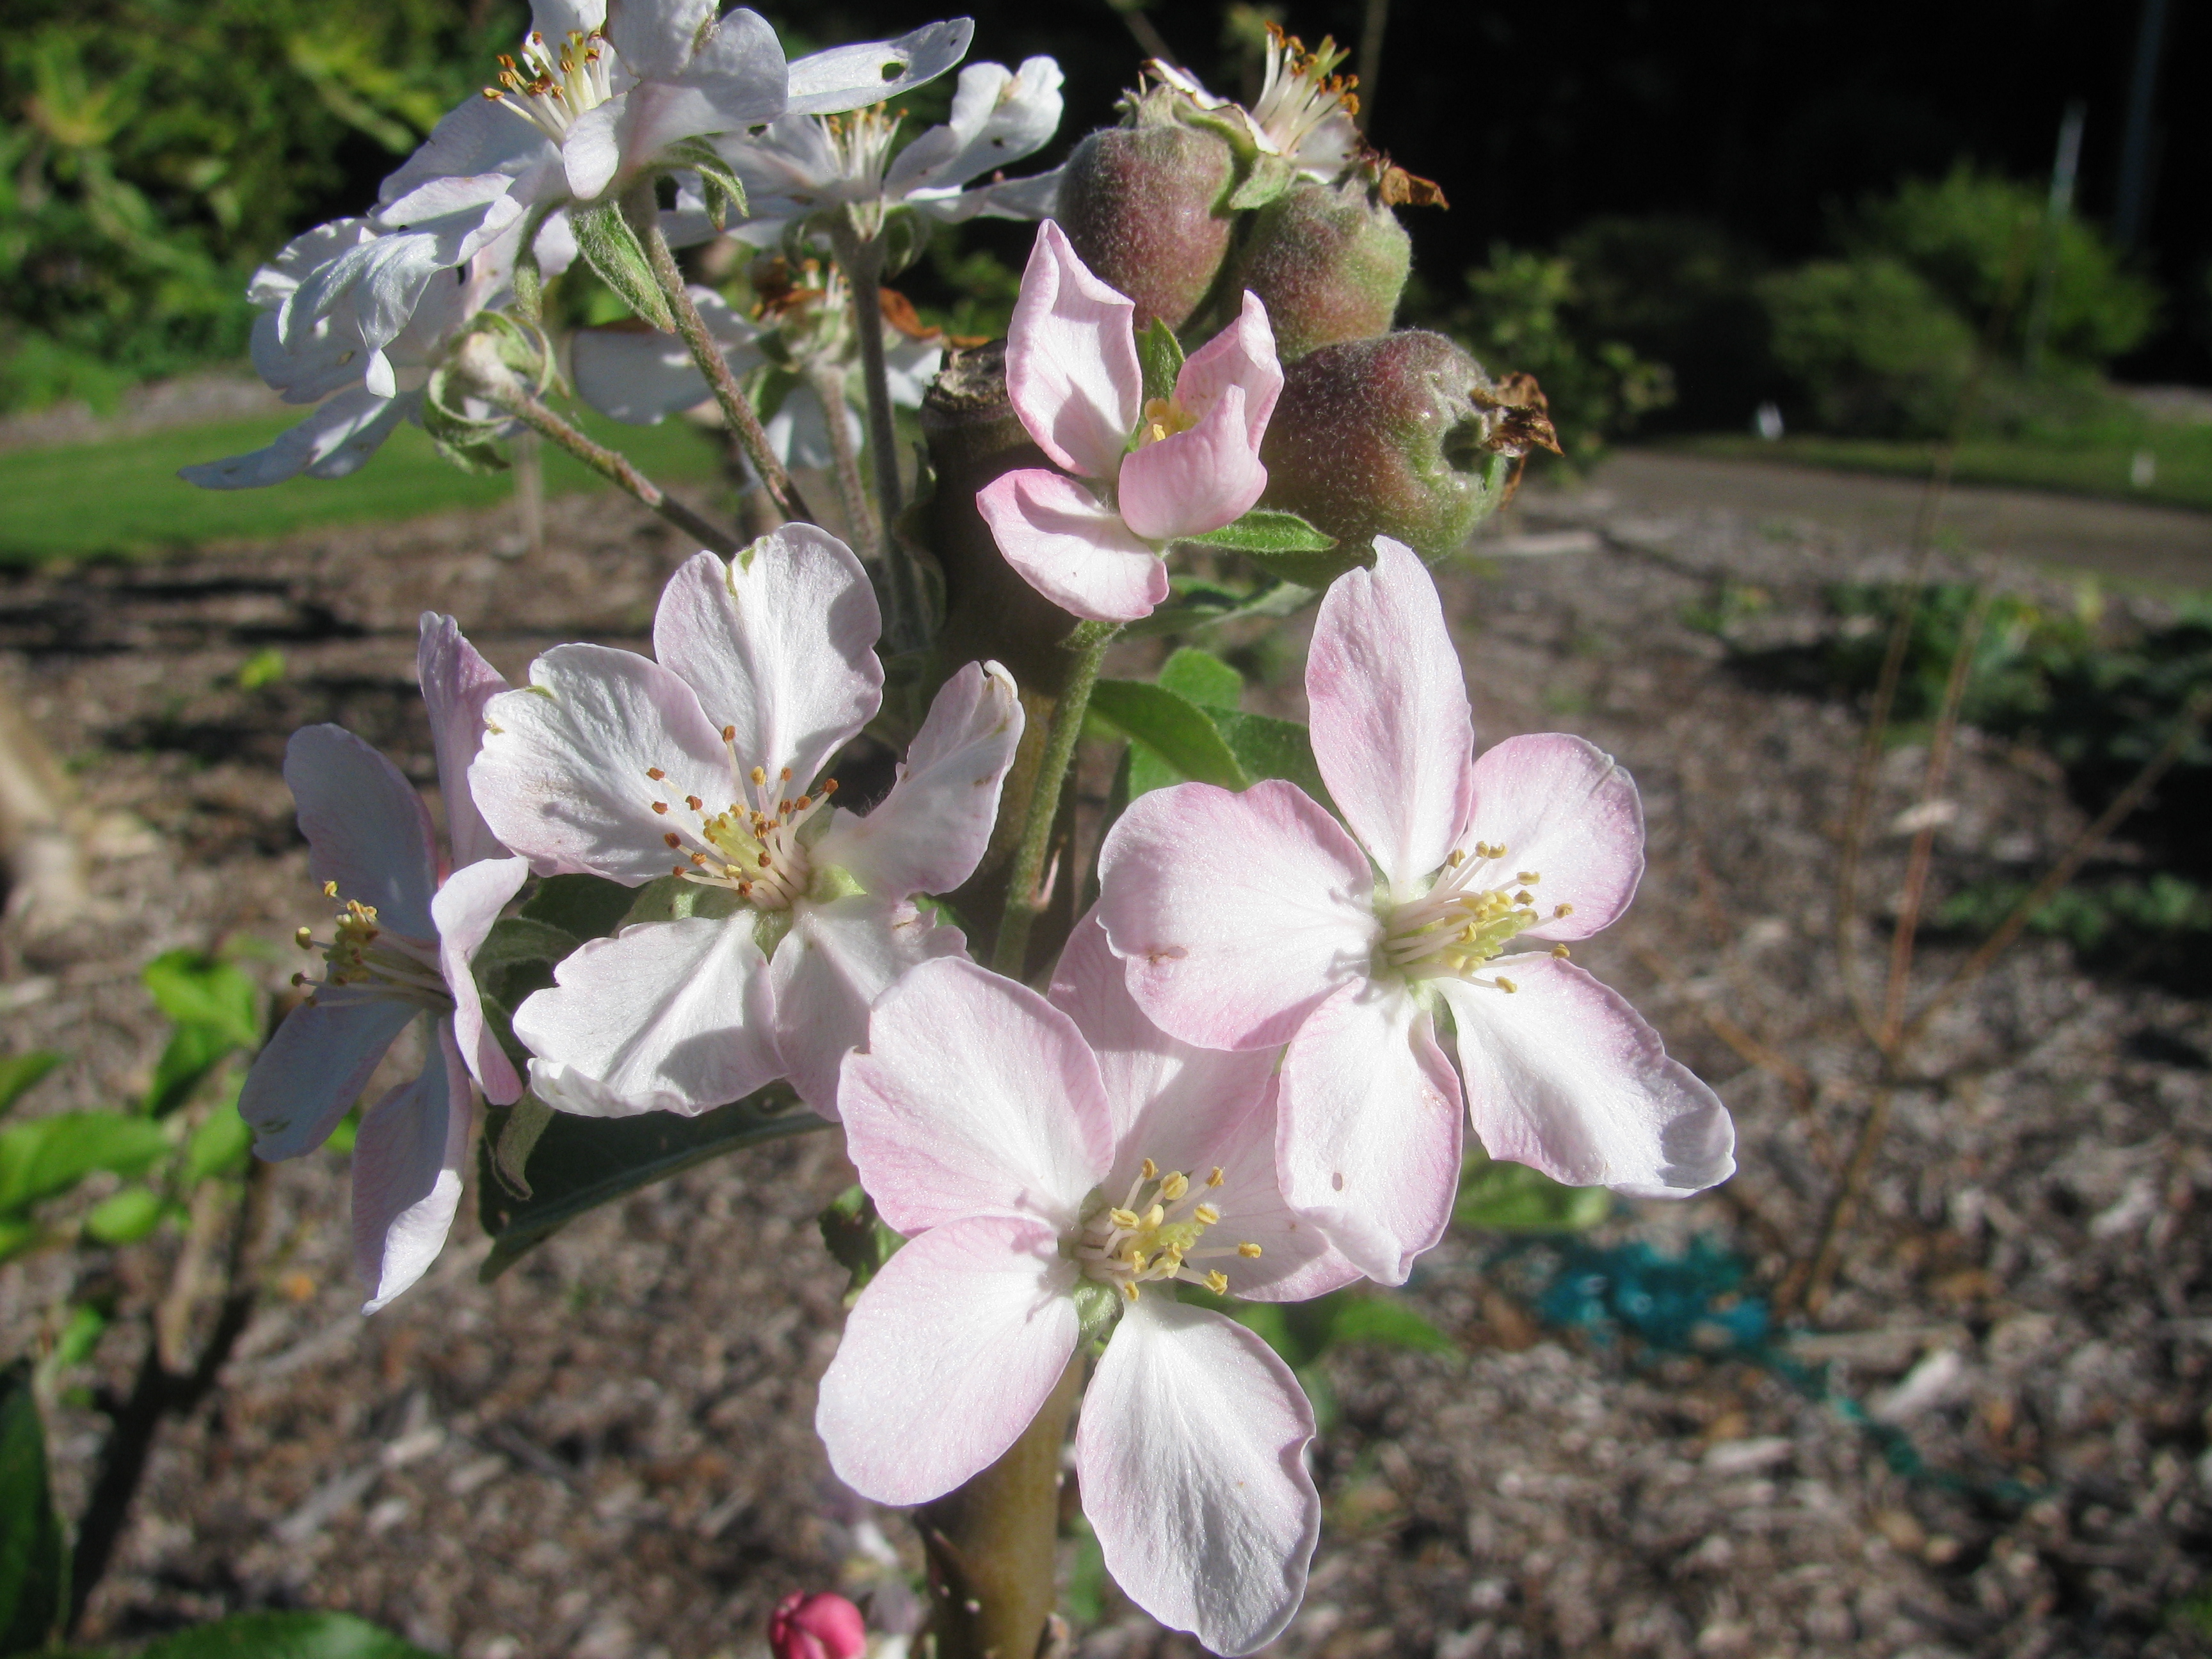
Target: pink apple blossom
[(1148, 474), (785, 916), (1253, 921), (400, 948), (822, 1626), (1058, 1167)]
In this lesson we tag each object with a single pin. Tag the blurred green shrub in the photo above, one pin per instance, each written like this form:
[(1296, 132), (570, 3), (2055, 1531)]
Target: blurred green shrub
[(155, 150), (1871, 344)]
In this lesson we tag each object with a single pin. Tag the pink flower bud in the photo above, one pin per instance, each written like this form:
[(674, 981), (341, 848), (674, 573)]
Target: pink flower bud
[(1141, 206), (822, 1626), (1404, 436), (1330, 262)]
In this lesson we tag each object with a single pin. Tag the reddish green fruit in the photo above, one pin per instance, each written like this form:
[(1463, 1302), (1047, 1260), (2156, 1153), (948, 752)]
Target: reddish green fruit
[(1404, 435), (1142, 206), (1330, 261)]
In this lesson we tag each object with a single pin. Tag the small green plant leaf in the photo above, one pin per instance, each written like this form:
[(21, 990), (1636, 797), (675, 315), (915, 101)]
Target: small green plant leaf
[(724, 190), (581, 1163), (611, 247), (1204, 678), (125, 1217), (219, 1147), (1174, 729), (1384, 1322), (525, 1124), (1288, 547), (18, 1073), (1512, 1198), (195, 989), (265, 667), (857, 1239), (1266, 747), (50, 1155), (583, 906), (285, 1636), (1159, 354), (34, 1554)]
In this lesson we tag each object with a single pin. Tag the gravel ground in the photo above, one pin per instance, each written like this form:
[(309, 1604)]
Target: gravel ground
[(606, 1452)]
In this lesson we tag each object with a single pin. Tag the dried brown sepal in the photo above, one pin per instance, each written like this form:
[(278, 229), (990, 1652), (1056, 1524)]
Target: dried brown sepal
[(1399, 188), (1524, 417)]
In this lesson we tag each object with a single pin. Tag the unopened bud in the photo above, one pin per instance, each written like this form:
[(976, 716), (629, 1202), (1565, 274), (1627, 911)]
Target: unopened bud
[(822, 1626), (1404, 436), (1330, 261), (1143, 206)]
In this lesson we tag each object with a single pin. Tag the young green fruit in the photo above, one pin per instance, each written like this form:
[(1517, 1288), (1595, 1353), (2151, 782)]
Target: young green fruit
[(1142, 206), (1404, 436), (1330, 261)]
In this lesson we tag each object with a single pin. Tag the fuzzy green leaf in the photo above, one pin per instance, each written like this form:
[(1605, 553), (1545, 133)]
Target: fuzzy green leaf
[(1174, 728), (611, 247), (1288, 547), (1204, 678), (1160, 356), (1266, 747)]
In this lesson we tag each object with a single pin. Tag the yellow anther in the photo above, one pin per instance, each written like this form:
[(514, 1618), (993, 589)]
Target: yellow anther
[(1456, 859), (1248, 1250), (1528, 877), (1560, 951), (1151, 1170), (1125, 1219), (1175, 1186), (330, 889), (1506, 985), (1215, 1179), (1129, 1289), (1524, 897), (1563, 910), (1206, 1215), (304, 939), (1154, 1216), (759, 775), (1218, 1282)]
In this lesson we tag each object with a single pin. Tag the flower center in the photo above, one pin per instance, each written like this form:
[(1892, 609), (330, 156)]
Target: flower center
[(1468, 918), (1163, 418), (550, 91), (364, 956), (751, 847), (861, 141), (1299, 93), (1154, 1233)]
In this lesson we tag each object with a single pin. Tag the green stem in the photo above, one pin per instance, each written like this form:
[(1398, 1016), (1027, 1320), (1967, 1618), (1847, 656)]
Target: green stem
[(730, 397), (827, 382), (617, 469), (1088, 644), (862, 259)]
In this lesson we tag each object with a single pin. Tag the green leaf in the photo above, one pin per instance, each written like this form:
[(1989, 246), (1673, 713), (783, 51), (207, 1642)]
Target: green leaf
[(1271, 175), (1384, 1322), (1512, 1198), (18, 1073), (474, 451), (17, 1234), (79, 1333), (857, 1239), (583, 907), (1174, 729), (526, 1126), (1204, 678), (125, 1218), (581, 1163), (1287, 547), (285, 1636), (195, 989), (218, 1146), (1159, 354), (517, 958), (192, 1054), (1266, 747), (611, 247), (724, 190), (34, 1554), (50, 1155)]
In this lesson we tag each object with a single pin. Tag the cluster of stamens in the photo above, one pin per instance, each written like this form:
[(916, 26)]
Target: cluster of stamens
[(861, 142), (1153, 1234), (362, 953), (752, 846), (1163, 418), (1298, 92), (1466, 920), (550, 91)]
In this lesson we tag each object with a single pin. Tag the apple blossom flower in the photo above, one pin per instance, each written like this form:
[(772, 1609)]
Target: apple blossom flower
[(1305, 110), (1253, 921), (787, 916), (377, 376), (1148, 474), (596, 99), (400, 949), (640, 376), (800, 167), (1058, 1167), (822, 1626)]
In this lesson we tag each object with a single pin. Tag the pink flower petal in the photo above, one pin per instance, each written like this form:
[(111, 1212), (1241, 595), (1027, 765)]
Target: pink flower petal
[(465, 910), (1391, 729), (779, 643), (1195, 481), (1369, 1142), (315, 1067), (1237, 913), (642, 376), (947, 1357), (1564, 809), (1191, 1452), (835, 961), (590, 153), (1565, 1076), (1072, 371), (407, 1165), (457, 683), (975, 1095), (366, 828), (1071, 548), (562, 777), (929, 833), (1242, 356), (665, 1016)]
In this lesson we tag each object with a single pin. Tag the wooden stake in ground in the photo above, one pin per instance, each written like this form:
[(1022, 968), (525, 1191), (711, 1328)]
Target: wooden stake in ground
[(48, 872)]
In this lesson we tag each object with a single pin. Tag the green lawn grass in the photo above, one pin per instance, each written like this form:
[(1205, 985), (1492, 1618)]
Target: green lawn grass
[(122, 497), (2097, 464)]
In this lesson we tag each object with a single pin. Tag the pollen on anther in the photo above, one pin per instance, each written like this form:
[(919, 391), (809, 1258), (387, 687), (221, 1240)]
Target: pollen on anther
[(784, 775), (729, 734), (1218, 1282), (1151, 1170), (655, 774), (673, 839), (675, 870), (1248, 1250), (660, 806), (759, 775), (1206, 1215), (1125, 1219), (1563, 910), (1561, 952), (1524, 897), (830, 788), (304, 939), (330, 889), (694, 803), (1216, 1178), (1506, 985)]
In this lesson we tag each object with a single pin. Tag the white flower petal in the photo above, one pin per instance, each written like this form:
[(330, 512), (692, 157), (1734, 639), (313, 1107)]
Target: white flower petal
[(407, 1165), (837, 959)]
